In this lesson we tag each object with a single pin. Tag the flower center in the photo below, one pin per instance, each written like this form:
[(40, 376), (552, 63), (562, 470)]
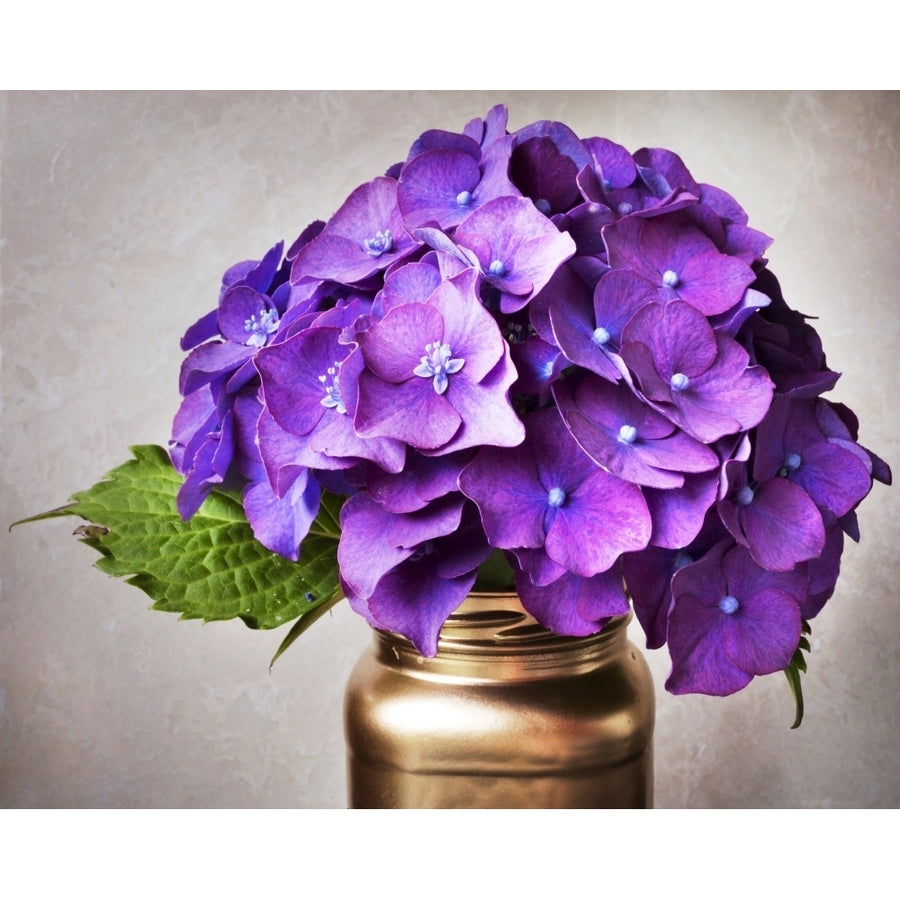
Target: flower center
[(332, 398), (438, 364), (600, 336), (381, 243), (628, 434), (556, 497), (514, 333), (543, 206), (259, 328), (729, 605), (745, 495), (464, 198), (497, 268), (625, 208), (670, 278), (679, 381)]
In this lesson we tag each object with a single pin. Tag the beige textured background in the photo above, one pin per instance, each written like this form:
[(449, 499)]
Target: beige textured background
[(119, 213)]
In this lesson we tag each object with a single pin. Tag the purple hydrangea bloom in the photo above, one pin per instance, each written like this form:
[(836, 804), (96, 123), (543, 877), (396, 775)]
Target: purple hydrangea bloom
[(547, 349), (776, 520), (698, 378), (589, 330), (218, 370), (731, 619), (547, 493), (309, 388), (518, 249), (680, 261), (790, 444), (629, 438), (437, 374), (363, 237), (444, 186), (545, 162)]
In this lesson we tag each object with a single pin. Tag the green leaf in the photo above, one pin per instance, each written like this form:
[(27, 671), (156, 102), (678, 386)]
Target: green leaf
[(210, 567), (495, 574), (795, 667)]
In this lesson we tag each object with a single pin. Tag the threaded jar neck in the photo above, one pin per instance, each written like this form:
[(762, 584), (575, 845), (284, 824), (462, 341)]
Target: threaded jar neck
[(490, 637)]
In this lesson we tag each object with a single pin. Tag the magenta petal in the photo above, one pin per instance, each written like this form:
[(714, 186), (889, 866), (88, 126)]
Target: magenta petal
[(393, 347), (617, 457), (352, 246), (678, 514), (468, 328), (603, 518), (488, 418), (292, 371), (833, 476), (768, 635), (680, 338), (412, 412), (573, 605), (413, 600), (364, 554), (501, 482), (440, 518), (696, 634), (209, 361), (430, 186), (281, 523), (422, 480), (540, 569), (648, 575), (412, 283), (782, 525)]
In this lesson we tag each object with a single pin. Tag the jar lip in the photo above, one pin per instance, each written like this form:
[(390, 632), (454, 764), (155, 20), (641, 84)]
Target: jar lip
[(497, 622)]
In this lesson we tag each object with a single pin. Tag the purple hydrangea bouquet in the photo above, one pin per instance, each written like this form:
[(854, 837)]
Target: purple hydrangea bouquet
[(517, 361)]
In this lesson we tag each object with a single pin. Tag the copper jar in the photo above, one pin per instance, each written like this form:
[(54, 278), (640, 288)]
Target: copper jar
[(506, 715)]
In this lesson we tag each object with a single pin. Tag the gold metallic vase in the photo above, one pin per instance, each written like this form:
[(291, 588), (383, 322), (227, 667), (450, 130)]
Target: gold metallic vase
[(506, 715)]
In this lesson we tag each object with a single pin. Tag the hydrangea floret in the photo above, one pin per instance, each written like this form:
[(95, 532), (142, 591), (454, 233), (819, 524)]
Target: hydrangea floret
[(532, 361)]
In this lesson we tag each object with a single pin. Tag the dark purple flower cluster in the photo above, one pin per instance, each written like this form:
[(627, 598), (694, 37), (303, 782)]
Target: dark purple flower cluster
[(547, 348)]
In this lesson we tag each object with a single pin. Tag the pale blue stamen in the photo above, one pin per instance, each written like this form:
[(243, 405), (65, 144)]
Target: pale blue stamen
[(628, 434), (607, 184), (682, 559), (600, 336), (556, 497), (543, 206), (679, 381), (381, 243), (729, 605), (670, 278), (791, 463), (497, 268), (259, 328), (745, 495), (625, 208), (332, 398), (437, 364), (464, 198)]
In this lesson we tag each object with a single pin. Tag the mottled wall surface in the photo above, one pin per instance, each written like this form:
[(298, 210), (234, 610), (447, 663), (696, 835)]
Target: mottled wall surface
[(119, 213)]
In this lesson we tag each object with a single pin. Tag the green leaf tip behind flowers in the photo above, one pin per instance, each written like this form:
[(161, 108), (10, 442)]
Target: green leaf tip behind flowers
[(795, 667), (210, 567)]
